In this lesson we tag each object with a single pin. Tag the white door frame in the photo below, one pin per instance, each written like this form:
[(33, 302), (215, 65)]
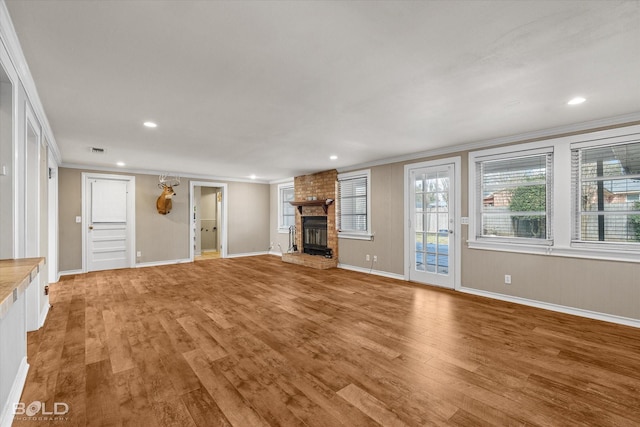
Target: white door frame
[(221, 227), (457, 197), (52, 260), (131, 210)]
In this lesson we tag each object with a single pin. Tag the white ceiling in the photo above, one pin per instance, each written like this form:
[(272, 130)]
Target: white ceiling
[(274, 88)]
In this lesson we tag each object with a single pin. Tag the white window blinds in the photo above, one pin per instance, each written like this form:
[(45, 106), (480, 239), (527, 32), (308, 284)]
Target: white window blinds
[(286, 210), (514, 195), (605, 187), (353, 215)]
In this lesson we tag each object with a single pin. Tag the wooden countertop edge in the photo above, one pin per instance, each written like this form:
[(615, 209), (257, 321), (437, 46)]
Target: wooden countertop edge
[(24, 272)]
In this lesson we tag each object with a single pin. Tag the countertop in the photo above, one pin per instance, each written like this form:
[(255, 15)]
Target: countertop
[(15, 275)]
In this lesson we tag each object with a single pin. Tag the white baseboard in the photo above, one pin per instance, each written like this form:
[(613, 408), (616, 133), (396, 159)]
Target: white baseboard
[(158, 263), (374, 272), (6, 417), (247, 254), (68, 273), (276, 253), (43, 313), (627, 321)]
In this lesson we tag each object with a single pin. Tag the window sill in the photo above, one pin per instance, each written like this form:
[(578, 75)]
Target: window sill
[(569, 252), (355, 236), (283, 230)]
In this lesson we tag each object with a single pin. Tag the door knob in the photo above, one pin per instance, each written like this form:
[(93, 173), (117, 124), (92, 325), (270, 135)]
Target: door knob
[(91, 227)]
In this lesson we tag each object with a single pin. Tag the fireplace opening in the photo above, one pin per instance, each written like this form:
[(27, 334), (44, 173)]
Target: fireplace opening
[(314, 236)]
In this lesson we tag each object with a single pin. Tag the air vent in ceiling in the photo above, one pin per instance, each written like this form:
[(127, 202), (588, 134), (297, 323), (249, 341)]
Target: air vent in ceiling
[(97, 150)]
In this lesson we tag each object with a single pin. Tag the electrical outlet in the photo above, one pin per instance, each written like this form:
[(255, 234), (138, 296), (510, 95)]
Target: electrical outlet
[(375, 258), (367, 257), (139, 254), (507, 279), (78, 219)]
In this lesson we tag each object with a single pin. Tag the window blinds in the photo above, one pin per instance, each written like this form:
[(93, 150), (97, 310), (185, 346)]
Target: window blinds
[(606, 185), (515, 197), (352, 194)]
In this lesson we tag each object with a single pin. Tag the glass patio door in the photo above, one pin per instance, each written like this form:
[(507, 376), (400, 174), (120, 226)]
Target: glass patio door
[(431, 225)]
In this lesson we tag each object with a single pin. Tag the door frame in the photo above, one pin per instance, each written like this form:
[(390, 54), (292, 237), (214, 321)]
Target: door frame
[(223, 228), (457, 198), (131, 214)]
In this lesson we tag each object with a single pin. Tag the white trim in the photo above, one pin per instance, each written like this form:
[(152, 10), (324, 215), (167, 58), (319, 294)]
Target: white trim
[(276, 253), (9, 38), (52, 195), (7, 416), (87, 166), (282, 186), (561, 244), (354, 236), (351, 234), (224, 216), (246, 254), (627, 321), (131, 214), (457, 214), (31, 121), (159, 263), (370, 271), (280, 181), (43, 314), (571, 252), (558, 131), (69, 273)]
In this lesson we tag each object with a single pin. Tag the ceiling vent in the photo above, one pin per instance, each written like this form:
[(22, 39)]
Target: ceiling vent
[(97, 150)]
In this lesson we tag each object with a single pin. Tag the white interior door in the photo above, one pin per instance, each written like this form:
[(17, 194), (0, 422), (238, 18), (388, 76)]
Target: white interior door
[(109, 222), (432, 225)]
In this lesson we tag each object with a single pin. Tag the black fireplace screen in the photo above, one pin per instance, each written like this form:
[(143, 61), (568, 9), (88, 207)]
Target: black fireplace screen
[(314, 234)]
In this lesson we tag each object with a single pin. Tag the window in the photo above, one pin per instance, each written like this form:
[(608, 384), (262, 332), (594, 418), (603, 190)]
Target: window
[(606, 185), (286, 212), (513, 197), (354, 208), (574, 196)]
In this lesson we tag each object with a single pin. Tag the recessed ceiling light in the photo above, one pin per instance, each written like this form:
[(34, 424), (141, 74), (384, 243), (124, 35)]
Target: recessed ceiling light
[(252, 177), (577, 100), (334, 157), (150, 124), (120, 163)]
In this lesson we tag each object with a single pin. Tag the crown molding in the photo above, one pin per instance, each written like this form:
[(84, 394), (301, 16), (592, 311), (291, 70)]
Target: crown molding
[(9, 38), (282, 180), (623, 120), (85, 167)]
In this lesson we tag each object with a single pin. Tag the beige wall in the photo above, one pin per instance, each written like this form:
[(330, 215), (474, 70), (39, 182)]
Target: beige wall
[(161, 237), (602, 286), (165, 237), (69, 206), (387, 224), (248, 217)]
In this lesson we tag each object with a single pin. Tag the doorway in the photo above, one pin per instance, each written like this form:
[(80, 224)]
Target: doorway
[(108, 221), (432, 230), (208, 231)]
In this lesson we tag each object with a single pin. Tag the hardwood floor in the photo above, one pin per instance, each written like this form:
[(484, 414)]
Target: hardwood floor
[(257, 342)]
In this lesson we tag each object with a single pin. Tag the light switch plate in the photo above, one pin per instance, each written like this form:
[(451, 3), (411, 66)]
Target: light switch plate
[(464, 220), (78, 219)]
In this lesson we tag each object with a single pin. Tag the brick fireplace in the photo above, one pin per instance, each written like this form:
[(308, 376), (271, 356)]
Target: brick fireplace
[(322, 186)]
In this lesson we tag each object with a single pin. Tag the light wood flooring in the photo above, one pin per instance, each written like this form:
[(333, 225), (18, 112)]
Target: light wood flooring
[(207, 255), (257, 342)]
